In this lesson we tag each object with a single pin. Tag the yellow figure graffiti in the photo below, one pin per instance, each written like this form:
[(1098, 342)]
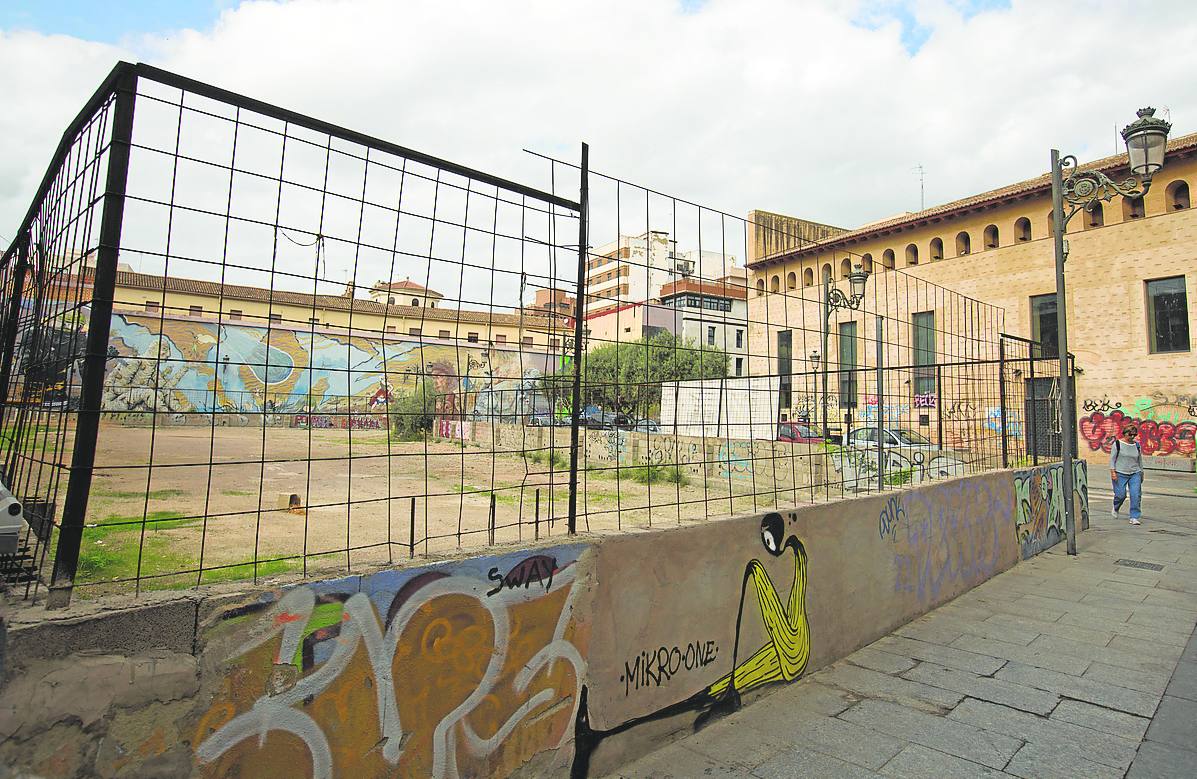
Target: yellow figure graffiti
[(784, 658)]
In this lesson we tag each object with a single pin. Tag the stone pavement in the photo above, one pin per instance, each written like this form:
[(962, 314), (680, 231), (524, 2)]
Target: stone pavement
[(1060, 667)]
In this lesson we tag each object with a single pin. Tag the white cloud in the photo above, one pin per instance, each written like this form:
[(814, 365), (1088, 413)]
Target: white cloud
[(784, 106)]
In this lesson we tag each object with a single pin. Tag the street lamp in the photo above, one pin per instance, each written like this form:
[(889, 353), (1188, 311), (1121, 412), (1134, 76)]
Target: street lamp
[(811, 409), (835, 299), (1146, 140)]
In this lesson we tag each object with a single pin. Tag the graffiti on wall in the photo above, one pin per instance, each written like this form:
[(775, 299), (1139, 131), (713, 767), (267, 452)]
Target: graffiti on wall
[(857, 466), (182, 366), (1101, 429), (463, 669), (782, 658), (946, 539), (1039, 493)]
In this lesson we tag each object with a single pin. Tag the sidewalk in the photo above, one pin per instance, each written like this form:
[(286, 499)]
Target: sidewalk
[(1061, 667)]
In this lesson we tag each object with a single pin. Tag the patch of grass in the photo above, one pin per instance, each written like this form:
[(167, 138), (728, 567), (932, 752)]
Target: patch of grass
[(899, 477), (553, 458), (506, 498), (239, 493), (655, 474), (245, 571), (128, 494), (110, 547)]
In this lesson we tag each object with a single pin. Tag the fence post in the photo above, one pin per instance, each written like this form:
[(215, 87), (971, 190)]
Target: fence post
[(10, 324), (1032, 407), (411, 537), (939, 406), (579, 313), (537, 520), (87, 426), (880, 407), (1002, 399)]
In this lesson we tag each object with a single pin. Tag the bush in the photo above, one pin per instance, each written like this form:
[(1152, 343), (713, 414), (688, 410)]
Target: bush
[(656, 474), (556, 460), (412, 414)]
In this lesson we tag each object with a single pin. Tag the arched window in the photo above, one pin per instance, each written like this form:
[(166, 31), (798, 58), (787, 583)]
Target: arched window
[(1132, 208), (760, 286), (964, 244), (845, 268), (391, 300), (1022, 229), (791, 280), (827, 271), (866, 263), (887, 259), (1095, 216), (912, 255), (415, 301), (1177, 194), (991, 237), (1051, 224), (808, 277), (936, 249), (774, 284)]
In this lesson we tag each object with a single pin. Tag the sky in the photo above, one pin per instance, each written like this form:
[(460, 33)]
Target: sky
[(821, 109)]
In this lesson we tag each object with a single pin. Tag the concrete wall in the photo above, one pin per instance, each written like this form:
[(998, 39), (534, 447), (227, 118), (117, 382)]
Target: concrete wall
[(533, 662)]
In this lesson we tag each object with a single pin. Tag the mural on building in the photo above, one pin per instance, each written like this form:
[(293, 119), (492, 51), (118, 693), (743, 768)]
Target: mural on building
[(1039, 493), (781, 659), (209, 366), (468, 668), (1167, 423)]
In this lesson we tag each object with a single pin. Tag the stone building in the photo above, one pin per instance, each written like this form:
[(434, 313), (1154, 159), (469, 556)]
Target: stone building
[(1131, 266)]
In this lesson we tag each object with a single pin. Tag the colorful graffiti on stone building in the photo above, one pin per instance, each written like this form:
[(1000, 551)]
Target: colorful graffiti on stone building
[(468, 668), (180, 366), (1163, 430), (1039, 493)]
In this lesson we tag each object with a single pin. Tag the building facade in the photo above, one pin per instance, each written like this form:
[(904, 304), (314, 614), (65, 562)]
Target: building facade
[(1131, 268)]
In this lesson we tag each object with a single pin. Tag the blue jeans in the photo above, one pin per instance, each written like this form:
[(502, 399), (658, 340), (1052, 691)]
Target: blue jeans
[(1135, 482)]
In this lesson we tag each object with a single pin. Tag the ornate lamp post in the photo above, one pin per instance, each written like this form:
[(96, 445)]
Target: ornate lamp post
[(1146, 139), (812, 409), (835, 299)]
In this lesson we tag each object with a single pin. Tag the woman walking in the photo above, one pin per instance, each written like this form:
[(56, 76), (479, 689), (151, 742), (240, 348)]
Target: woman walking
[(1126, 471)]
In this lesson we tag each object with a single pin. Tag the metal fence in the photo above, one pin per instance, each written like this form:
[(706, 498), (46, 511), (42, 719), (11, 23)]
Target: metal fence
[(241, 342)]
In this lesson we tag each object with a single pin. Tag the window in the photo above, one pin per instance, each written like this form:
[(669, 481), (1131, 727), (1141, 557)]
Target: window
[(964, 244), (526, 340), (866, 263), (1095, 216), (447, 334), (785, 347), (711, 336), (774, 284), (1022, 229), (500, 338), (912, 255), (313, 320), (1177, 195), (235, 313), (1132, 208), (808, 277), (887, 259), (936, 249), (991, 237), (151, 305), (415, 331), (274, 317), (472, 337), (924, 352), (847, 366), (845, 268), (826, 272), (760, 286), (739, 366), (739, 338), (791, 280), (1043, 324), (196, 310), (415, 301), (391, 300), (392, 329), (1051, 224), (1168, 315), (554, 342), (627, 329)]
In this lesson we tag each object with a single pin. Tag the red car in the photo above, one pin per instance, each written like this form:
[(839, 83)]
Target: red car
[(797, 433)]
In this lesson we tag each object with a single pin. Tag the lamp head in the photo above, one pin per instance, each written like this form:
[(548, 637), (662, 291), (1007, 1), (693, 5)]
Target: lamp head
[(856, 280), (814, 357), (1146, 140)]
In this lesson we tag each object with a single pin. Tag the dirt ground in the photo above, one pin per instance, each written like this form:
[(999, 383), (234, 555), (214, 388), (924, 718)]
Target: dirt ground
[(165, 499)]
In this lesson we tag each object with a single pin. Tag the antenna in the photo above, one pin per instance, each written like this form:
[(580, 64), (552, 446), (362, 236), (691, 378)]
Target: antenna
[(919, 169)]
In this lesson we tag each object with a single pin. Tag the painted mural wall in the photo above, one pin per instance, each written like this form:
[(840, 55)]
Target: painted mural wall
[(1040, 495), (471, 668), (212, 366), (1167, 423)]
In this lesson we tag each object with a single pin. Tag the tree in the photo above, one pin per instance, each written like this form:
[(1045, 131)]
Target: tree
[(627, 377), (412, 414)]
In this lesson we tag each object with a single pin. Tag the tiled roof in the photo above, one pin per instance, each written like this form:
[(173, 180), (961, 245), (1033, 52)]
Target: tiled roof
[(146, 281), (1185, 144), (717, 288), (407, 284)]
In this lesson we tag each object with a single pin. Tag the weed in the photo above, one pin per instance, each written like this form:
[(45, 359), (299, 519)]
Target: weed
[(129, 494), (656, 474), (899, 477)]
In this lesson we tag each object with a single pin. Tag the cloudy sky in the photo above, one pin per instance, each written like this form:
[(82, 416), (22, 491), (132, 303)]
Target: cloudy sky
[(820, 109)]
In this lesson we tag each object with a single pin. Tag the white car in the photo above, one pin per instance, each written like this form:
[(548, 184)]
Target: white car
[(906, 450)]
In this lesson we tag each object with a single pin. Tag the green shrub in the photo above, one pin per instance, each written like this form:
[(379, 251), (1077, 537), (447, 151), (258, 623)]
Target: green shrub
[(412, 414)]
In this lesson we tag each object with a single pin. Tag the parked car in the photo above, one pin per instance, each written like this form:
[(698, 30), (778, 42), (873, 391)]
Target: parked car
[(797, 433), (595, 418), (541, 420), (646, 426), (906, 449)]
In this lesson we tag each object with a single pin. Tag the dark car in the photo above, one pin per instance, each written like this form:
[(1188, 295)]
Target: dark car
[(797, 433)]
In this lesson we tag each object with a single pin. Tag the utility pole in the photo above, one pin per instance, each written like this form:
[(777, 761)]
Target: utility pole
[(919, 169)]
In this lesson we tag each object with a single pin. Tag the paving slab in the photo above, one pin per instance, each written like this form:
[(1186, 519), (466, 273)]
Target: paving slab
[(944, 735), (935, 630), (881, 661), (1175, 723), (1037, 760), (1143, 647), (1099, 718), (1113, 654), (678, 762), (1051, 628), (982, 665), (983, 688), (1154, 682), (835, 737), (802, 761), (1184, 681), (1022, 654), (918, 762), (873, 684), (1101, 693), (1157, 760), (809, 696)]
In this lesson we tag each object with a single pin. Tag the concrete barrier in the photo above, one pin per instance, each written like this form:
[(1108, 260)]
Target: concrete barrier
[(566, 659)]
